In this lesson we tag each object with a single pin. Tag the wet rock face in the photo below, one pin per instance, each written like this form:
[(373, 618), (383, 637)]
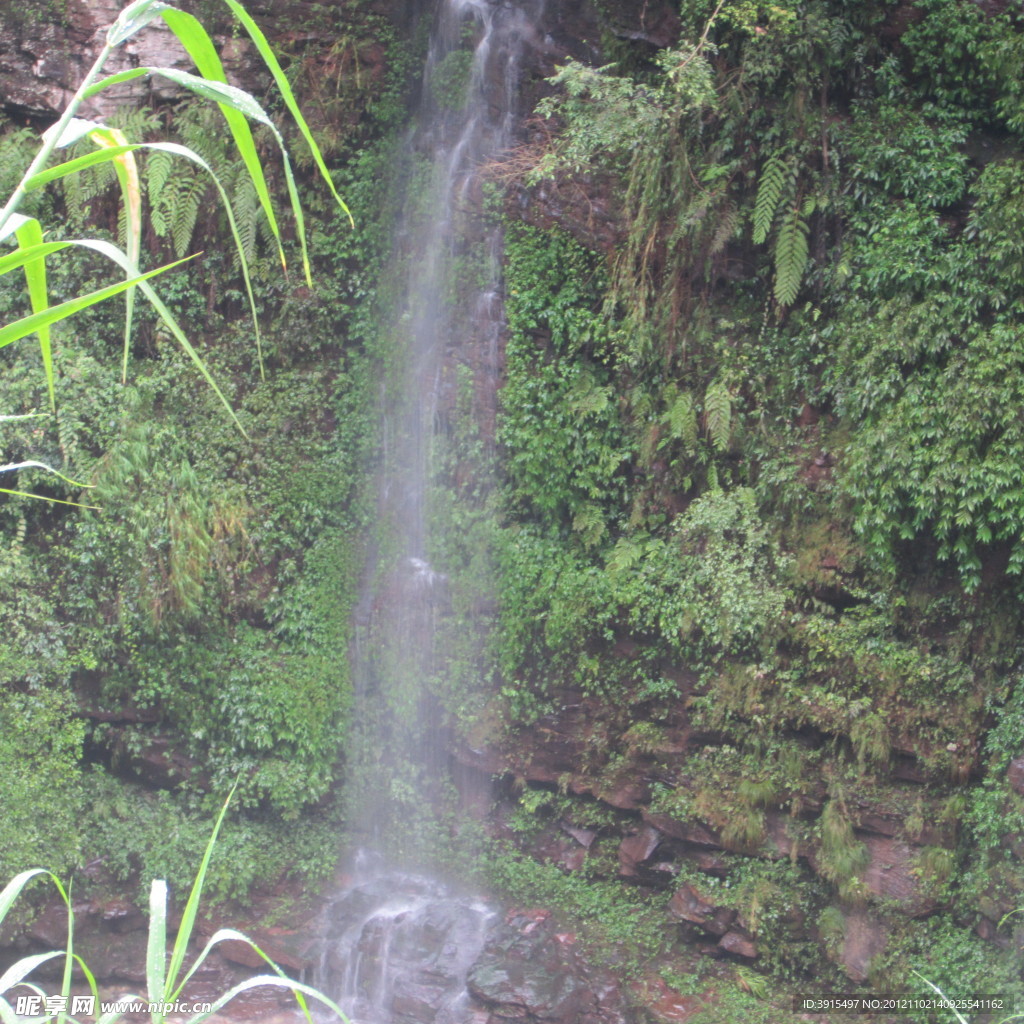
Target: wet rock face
[(46, 49), (527, 972), (404, 950), (398, 948)]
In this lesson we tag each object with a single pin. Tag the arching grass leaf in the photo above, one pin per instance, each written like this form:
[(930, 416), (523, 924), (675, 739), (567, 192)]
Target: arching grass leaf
[(237, 99), (113, 153), (134, 17), (30, 233), (257, 36), (200, 48), (127, 171)]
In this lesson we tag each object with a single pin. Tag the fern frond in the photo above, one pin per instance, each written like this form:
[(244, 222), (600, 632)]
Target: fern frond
[(590, 399), (790, 256), (158, 170), (650, 444), (246, 204), (718, 414), (186, 212), (626, 553), (589, 523), (681, 419), (726, 226), (769, 193)]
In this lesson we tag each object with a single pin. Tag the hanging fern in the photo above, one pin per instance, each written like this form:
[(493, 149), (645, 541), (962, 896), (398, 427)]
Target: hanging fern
[(175, 203), (589, 523), (790, 256), (158, 170), (718, 415), (246, 204), (727, 218), (773, 181), (681, 419), (183, 222), (626, 554)]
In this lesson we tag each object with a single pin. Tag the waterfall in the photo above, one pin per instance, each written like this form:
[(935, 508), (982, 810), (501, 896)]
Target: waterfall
[(399, 942)]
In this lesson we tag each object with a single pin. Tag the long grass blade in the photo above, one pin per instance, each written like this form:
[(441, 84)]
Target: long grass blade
[(29, 233), (156, 944), (69, 958), (296, 987), (224, 935), (31, 464), (112, 1016), (23, 968), (17, 259), (281, 80), (200, 48), (77, 128), (127, 171), (935, 988), (30, 324), (43, 497), (216, 92), (14, 888), (188, 917), (134, 17), (7, 1014)]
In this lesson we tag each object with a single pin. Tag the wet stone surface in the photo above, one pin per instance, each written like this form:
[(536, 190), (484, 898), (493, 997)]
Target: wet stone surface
[(401, 949)]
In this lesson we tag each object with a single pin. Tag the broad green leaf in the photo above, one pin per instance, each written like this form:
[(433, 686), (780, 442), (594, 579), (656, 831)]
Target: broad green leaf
[(127, 171), (77, 128), (134, 17), (24, 967), (13, 889), (104, 155), (29, 324), (257, 36), (228, 96), (156, 945), (200, 48), (30, 233)]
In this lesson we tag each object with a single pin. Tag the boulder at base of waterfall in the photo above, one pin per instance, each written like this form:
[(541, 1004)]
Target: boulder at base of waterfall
[(525, 973)]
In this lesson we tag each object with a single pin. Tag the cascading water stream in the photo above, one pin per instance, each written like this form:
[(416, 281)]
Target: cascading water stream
[(399, 945)]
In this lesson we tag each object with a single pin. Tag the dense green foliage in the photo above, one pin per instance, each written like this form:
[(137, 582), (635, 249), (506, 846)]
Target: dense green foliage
[(762, 456), (760, 453), (192, 629)]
